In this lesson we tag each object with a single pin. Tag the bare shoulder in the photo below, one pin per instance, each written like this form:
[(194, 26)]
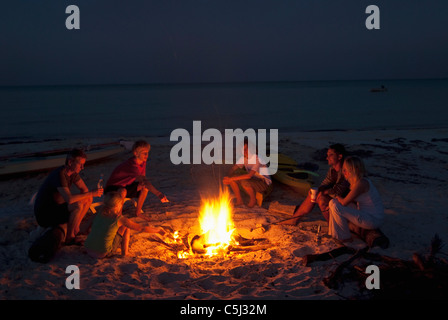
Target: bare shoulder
[(365, 185)]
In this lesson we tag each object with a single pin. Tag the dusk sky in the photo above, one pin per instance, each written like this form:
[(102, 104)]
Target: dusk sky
[(184, 41)]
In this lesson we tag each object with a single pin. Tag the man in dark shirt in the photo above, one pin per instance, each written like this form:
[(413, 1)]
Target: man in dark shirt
[(55, 205), (333, 185)]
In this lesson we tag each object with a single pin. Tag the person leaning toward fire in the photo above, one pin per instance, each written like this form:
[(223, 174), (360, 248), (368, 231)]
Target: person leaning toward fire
[(111, 230), (253, 179), (130, 177), (362, 206), (332, 186), (55, 205)]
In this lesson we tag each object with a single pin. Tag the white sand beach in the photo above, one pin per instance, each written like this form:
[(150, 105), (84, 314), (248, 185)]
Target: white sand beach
[(409, 168)]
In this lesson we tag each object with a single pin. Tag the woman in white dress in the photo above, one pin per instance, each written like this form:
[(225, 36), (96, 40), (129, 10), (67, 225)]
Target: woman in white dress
[(362, 206)]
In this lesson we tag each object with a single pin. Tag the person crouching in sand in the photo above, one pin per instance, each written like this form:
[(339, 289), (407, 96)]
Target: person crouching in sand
[(252, 179), (362, 206), (111, 230), (333, 185), (56, 205), (130, 177)]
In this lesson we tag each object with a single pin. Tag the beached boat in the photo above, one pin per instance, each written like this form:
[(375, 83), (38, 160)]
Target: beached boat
[(285, 161), (46, 160), (300, 180)]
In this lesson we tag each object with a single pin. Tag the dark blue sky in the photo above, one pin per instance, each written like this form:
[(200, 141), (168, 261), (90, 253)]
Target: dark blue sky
[(166, 41)]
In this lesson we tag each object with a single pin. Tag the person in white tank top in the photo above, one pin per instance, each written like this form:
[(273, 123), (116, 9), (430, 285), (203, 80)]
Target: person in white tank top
[(362, 206)]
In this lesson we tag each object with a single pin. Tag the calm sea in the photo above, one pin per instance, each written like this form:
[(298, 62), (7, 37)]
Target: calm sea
[(39, 113)]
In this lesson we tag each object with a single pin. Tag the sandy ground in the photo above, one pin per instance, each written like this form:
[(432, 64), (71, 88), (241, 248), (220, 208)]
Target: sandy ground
[(409, 168)]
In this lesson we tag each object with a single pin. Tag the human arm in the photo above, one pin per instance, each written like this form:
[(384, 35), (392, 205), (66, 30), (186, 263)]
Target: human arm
[(226, 179), (327, 183), (247, 176), (148, 185), (72, 198), (81, 186), (356, 190), (138, 227), (233, 169), (334, 184)]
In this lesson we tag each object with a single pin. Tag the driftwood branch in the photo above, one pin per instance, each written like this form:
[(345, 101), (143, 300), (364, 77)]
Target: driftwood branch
[(310, 258), (332, 280), (423, 277)]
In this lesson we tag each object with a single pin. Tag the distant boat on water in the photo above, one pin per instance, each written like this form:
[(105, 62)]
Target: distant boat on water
[(381, 89)]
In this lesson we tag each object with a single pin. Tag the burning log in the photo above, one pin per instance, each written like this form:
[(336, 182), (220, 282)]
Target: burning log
[(250, 242), (198, 244), (239, 244)]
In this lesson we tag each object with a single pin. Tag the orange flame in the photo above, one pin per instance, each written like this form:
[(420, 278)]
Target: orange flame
[(215, 219)]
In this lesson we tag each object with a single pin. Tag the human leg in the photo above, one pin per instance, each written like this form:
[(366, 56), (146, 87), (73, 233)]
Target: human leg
[(126, 233), (342, 216), (78, 211), (251, 193), (304, 208), (140, 200), (323, 201), (251, 187), (236, 191), (337, 224)]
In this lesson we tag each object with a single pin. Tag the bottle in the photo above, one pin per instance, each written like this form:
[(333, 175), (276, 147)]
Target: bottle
[(318, 236), (100, 182)]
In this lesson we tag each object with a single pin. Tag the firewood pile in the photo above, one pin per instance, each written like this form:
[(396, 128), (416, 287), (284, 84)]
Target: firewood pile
[(425, 277)]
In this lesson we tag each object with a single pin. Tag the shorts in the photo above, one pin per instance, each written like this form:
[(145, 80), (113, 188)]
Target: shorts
[(52, 215), (131, 190), (259, 185), (115, 245)]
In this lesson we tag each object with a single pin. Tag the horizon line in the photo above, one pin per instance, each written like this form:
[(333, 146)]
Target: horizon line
[(211, 82)]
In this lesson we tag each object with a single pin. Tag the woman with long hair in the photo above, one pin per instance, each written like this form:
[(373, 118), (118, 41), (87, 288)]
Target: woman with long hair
[(362, 206)]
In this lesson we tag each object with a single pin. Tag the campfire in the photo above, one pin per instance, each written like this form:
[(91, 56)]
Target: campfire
[(217, 227), (218, 235)]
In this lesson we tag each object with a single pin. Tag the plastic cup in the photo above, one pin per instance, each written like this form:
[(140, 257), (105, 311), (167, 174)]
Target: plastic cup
[(313, 194)]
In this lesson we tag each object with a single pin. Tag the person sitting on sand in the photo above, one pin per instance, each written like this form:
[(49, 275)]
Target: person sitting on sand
[(252, 180), (130, 176), (55, 205), (362, 206), (111, 230), (333, 185)]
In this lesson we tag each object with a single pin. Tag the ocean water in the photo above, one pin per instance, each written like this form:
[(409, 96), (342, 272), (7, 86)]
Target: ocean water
[(59, 112)]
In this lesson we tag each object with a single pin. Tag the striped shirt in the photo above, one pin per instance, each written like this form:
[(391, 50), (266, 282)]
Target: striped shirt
[(335, 181)]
